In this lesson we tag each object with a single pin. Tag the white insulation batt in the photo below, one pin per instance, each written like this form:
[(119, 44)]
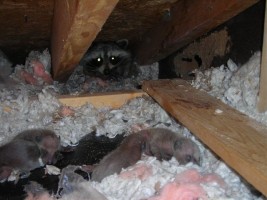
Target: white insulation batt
[(236, 86)]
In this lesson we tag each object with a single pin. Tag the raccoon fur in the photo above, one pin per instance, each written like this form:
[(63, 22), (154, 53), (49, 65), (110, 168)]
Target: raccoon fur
[(109, 60)]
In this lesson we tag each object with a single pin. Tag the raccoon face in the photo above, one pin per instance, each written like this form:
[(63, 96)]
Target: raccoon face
[(108, 60)]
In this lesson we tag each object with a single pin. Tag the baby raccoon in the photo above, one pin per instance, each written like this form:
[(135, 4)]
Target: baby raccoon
[(109, 60)]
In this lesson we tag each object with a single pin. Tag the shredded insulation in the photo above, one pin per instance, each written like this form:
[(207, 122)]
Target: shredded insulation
[(149, 178)]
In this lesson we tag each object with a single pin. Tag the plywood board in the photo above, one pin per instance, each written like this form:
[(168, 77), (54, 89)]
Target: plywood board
[(110, 99), (75, 26), (185, 21), (239, 140)]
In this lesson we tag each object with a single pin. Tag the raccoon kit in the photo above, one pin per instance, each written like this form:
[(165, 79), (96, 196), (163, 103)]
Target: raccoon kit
[(109, 60)]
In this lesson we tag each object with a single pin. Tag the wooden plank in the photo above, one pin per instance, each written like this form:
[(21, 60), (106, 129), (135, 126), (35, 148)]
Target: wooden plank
[(98, 100), (110, 99), (25, 26), (262, 103), (239, 140), (186, 21), (139, 16), (75, 25)]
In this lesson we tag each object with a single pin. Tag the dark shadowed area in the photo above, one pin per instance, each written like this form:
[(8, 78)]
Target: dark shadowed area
[(90, 150)]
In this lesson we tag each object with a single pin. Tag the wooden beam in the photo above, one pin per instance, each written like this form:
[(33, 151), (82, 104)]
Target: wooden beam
[(186, 21), (98, 100), (75, 26), (262, 103), (109, 99), (239, 140), (26, 26)]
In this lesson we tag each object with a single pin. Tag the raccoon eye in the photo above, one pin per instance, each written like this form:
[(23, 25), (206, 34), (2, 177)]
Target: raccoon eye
[(97, 62), (114, 60)]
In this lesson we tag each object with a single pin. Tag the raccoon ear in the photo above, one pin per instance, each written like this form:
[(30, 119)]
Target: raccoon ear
[(123, 43)]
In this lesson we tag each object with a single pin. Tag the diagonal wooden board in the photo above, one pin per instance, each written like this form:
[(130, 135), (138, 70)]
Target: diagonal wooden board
[(76, 24), (239, 140), (187, 21)]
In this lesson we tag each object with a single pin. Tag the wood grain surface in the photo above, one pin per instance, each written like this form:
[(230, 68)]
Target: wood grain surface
[(76, 24), (108, 99), (239, 140)]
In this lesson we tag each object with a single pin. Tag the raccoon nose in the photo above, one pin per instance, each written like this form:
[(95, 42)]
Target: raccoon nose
[(106, 71)]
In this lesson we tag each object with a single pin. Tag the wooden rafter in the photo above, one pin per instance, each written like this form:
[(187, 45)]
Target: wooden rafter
[(75, 26), (262, 103), (185, 21), (239, 140)]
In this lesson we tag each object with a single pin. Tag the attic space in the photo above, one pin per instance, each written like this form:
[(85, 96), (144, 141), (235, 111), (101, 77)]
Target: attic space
[(133, 99), (154, 29)]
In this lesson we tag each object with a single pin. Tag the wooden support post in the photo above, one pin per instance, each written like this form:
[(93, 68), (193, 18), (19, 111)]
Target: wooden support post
[(239, 140), (262, 103), (75, 26), (109, 99), (186, 21)]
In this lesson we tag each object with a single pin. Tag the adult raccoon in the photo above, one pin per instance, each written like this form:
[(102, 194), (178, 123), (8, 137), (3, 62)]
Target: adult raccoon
[(109, 60)]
